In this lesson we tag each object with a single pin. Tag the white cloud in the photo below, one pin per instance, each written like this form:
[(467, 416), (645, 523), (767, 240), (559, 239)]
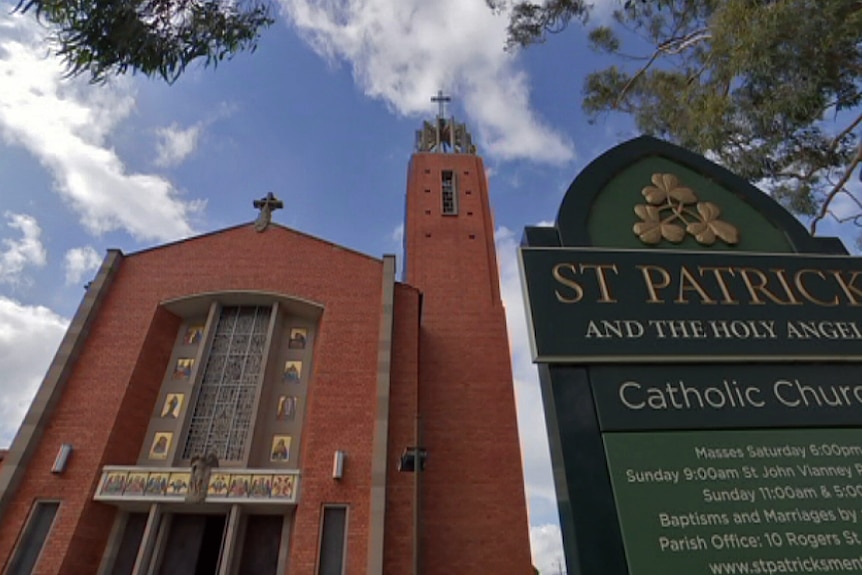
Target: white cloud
[(403, 51), (65, 124), (546, 542), (15, 255), (397, 234), (176, 144), (79, 261), (29, 337)]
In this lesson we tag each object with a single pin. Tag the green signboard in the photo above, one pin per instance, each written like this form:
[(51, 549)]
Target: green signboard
[(765, 501), (725, 396), (590, 305), (699, 354)]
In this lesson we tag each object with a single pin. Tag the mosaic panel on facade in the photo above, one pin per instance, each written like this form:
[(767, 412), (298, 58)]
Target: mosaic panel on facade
[(171, 484), (193, 335)]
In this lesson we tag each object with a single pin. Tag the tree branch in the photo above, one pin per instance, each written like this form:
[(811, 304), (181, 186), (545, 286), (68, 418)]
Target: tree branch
[(677, 45), (632, 80), (671, 46), (836, 189), (844, 132)]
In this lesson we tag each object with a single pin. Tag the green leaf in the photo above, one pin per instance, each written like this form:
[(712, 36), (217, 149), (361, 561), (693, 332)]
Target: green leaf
[(101, 38)]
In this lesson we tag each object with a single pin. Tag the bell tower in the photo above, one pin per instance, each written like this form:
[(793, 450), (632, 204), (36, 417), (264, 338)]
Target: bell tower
[(472, 511)]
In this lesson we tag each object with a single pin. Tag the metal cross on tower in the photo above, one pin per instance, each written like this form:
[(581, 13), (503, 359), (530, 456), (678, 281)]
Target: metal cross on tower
[(441, 103)]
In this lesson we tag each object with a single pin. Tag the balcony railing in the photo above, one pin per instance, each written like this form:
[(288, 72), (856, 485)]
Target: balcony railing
[(171, 484)]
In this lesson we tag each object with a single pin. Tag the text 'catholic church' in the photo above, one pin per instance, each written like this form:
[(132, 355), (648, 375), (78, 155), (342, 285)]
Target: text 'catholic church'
[(264, 416)]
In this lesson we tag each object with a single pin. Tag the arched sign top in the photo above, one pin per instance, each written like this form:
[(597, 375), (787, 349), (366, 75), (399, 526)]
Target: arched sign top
[(650, 194)]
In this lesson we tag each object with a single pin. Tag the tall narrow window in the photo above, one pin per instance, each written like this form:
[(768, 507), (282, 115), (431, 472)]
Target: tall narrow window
[(33, 538), (332, 534), (223, 412), (449, 195)]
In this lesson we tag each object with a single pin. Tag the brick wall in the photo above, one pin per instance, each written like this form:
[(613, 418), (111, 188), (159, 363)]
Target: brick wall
[(400, 499), (113, 386), (473, 510)]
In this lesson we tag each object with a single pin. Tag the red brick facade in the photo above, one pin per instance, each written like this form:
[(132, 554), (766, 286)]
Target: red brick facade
[(473, 514), (449, 358)]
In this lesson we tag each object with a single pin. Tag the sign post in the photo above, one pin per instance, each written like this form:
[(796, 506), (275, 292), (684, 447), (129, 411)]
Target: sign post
[(699, 355)]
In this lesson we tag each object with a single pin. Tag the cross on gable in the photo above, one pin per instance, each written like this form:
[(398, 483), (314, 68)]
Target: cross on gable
[(266, 205), (441, 100), (269, 202)]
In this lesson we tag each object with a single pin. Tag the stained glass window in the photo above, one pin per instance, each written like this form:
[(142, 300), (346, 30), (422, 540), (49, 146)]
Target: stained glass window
[(223, 414)]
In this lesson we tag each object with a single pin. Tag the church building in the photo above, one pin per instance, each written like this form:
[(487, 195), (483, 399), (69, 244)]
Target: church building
[(259, 401)]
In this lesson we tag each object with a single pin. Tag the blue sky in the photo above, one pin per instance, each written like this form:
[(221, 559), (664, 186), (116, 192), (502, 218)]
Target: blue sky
[(323, 115)]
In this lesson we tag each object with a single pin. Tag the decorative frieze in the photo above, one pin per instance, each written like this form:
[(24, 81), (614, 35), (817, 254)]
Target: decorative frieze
[(171, 484)]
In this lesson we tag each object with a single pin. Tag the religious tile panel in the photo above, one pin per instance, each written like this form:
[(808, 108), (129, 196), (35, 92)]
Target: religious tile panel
[(219, 484), (157, 484), (178, 483), (172, 406), (292, 371), (136, 483), (170, 409), (297, 339), (194, 334), (131, 485), (183, 369), (280, 451), (283, 486), (283, 397), (286, 407), (261, 485), (114, 483), (161, 445), (239, 485)]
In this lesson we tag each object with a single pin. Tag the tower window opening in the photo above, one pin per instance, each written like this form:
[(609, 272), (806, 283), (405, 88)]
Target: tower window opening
[(449, 195)]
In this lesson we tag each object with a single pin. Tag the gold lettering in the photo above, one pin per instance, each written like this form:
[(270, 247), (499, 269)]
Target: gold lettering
[(603, 281), (754, 289), (651, 285), (568, 282), (782, 279), (849, 289), (725, 292), (797, 279), (686, 277)]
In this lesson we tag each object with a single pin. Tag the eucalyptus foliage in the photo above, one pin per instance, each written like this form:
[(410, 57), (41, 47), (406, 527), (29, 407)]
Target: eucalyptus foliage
[(101, 38), (771, 89)]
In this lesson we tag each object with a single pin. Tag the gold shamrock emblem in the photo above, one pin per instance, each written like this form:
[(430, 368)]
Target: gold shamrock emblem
[(673, 210)]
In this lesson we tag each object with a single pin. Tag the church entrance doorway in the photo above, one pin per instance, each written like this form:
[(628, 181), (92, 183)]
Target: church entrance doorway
[(193, 545)]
